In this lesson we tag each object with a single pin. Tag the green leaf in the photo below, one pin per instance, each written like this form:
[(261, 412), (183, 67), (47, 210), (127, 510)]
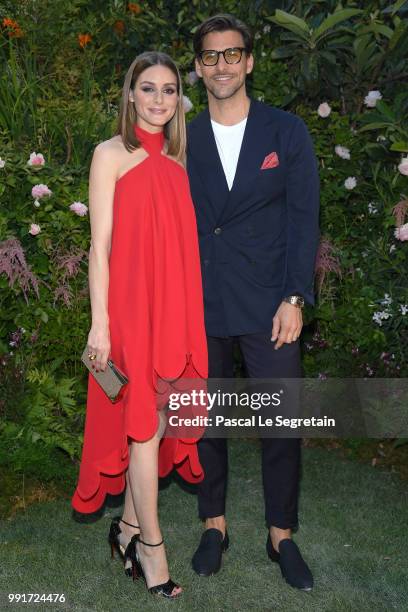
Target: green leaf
[(375, 126), (385, 109), (334, 19), (400, 146), (282, 52), (397, 6), (292, 23)]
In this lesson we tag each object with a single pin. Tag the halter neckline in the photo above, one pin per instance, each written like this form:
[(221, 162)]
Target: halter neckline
[(152, 142)]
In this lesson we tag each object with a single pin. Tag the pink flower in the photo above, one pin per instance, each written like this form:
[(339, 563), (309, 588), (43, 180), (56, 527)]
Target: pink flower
[(70, 262), (326, 261), (34, 229), (36, 159), (399, 211), (403, 166), (342, 152), (79, 208), (324, 110), (13, 264), (188, 105), (401, 233), (39, 191)]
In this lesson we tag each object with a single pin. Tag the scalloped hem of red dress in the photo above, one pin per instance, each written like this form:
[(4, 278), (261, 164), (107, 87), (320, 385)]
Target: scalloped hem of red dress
[(174, 453)]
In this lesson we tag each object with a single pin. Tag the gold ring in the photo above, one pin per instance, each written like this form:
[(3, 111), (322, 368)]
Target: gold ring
[(92, 357)]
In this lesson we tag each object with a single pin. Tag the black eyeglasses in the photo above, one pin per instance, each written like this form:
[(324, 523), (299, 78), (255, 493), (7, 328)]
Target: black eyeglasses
[(233, 55)]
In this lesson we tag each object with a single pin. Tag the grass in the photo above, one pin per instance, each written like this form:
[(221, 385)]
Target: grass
[(352, 533)]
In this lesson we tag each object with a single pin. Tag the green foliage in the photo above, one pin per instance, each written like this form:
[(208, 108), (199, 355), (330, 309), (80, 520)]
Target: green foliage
[(60, 83)]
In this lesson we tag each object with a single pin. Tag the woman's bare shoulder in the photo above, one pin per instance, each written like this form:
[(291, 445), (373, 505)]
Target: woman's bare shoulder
[(113, 145)]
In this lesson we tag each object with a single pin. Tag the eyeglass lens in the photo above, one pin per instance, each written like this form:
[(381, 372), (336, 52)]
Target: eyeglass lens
[(231, 56)]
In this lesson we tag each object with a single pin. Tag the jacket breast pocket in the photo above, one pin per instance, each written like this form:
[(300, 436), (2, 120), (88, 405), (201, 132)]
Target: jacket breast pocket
[(271, 181)]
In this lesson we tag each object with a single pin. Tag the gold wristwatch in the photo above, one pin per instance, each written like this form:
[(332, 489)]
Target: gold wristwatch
[(295, 300)]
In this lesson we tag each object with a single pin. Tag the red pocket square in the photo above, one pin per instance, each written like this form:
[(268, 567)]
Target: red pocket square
[(270, 161)]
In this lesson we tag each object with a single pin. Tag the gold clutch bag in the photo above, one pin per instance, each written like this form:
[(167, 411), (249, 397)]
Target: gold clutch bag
[(113, 381)]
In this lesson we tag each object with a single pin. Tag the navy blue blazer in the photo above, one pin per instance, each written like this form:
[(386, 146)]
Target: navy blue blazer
[(258, 242)]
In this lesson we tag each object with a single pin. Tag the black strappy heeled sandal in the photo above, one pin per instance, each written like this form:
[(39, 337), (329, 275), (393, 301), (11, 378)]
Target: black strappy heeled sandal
[(113, 539), (162, 590)]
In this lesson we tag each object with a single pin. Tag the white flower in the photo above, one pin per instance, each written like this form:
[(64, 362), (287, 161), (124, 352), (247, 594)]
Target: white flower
[(404, 309), (261, 98), (263, 54), (257, 36), (2, 163), (380, 316), (403, 166), (342, 152), (387, 300), (381, 138), (267, 29), (372, 209), (392, 248), (36, 203), (350, 182), (187, 104), (371, 98), (324, 110)]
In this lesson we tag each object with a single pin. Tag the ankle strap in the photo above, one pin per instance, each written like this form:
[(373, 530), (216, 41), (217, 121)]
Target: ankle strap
[(130, 525), (147, 544)]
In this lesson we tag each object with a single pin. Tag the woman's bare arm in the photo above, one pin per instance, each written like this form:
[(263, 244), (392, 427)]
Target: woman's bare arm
[(101, 192)]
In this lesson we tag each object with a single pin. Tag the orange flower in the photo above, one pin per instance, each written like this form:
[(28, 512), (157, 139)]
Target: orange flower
[(134, 8), (17, 33), (84, 39), (14, 29), (10, 23), (119, 26)]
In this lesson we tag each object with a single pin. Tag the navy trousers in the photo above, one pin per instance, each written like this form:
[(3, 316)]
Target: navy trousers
[(280, 456)]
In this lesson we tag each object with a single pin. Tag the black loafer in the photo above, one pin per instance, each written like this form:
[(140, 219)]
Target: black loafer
[(207, 558), (293, 567)]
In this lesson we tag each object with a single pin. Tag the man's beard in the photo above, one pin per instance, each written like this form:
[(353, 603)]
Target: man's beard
[(227, 94)]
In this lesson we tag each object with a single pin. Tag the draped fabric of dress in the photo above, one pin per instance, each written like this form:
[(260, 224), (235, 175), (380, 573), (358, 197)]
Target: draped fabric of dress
[(156, 323)]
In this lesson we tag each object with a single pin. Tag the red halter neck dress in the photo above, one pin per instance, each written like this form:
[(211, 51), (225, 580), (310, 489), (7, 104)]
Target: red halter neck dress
[(156, 322)]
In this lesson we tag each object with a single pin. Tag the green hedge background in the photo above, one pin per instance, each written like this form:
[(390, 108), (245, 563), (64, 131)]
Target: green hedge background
[(341, 66)]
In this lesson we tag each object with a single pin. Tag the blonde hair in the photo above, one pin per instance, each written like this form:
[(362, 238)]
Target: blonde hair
[(175, 129)]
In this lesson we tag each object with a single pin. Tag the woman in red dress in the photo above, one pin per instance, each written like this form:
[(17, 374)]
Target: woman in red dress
[(147, 313)]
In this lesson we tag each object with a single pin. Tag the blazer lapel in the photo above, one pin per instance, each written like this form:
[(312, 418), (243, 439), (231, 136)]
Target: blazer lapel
[(248, 162), (204, 154)]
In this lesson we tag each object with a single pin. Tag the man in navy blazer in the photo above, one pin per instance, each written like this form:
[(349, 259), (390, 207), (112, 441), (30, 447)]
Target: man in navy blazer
[(254, 182)]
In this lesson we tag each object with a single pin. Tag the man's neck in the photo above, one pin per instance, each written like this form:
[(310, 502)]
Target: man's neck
[(229, 111)]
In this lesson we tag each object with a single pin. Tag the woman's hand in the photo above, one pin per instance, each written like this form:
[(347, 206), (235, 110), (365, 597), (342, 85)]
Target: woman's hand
[(99, 345)]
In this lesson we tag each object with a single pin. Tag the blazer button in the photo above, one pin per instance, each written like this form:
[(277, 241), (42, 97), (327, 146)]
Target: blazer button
[(217, 231)]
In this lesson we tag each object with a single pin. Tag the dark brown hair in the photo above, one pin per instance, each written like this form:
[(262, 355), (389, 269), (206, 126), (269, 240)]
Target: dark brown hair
[(175, 129), (222, 23)]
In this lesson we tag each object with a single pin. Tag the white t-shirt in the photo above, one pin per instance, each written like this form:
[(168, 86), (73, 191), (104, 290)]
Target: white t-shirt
[(229, 141)]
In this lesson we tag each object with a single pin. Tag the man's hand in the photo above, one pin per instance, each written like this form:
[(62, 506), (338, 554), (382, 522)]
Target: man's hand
[(287, 324)]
